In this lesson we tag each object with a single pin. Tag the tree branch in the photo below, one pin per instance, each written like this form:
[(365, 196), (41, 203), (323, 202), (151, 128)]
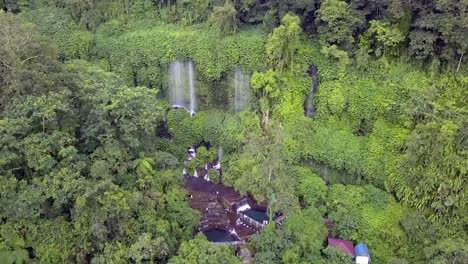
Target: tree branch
[(4, 63), (30, 58), (459, 61)]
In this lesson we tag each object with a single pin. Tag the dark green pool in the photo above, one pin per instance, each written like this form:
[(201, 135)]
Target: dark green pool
[(219, 235), (258, 215)]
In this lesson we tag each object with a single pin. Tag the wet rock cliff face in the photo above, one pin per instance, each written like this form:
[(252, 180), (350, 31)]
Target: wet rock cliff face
[(309, 107)]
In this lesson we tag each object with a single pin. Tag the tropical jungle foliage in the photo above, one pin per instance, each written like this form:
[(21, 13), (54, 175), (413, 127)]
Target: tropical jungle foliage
[(91, 154)]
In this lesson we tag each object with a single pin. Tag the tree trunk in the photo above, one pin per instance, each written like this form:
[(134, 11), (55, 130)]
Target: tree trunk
[(265, 120), (459, 62)]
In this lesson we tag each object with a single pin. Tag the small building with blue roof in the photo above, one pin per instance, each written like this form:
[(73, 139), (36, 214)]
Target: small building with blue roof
[(362, 254)]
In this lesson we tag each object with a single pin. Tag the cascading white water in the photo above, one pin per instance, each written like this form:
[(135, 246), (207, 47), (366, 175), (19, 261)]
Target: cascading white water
[(220, 156), (242, 90), (220, 153), (182, 85), (192, 88), (234, 233), (243, 205), (176, 74)]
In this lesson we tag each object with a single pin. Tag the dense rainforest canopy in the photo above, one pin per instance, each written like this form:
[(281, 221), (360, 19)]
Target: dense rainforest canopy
[(91, 152)]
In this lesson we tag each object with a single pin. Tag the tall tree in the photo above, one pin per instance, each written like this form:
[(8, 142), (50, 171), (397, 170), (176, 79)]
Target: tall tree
[(192, 11), (308, 232), (93, 13), (267, 88), (225, 18), (383, 38), (439, 30), (281, 46), (433, 167), (199, 250), (336, 22), (261, 171), (27, 62), (271, 244)]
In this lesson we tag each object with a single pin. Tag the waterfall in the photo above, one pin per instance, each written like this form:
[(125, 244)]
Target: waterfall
[(176, 76), (243, 205), (242, 90), (309, 107), (182, 86), (220, 153), (192, 88), (220, 156)]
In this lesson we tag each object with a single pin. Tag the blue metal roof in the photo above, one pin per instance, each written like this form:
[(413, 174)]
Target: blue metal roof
[(361, 250)]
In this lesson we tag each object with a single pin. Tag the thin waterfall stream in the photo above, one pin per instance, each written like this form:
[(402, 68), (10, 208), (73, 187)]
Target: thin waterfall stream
[(309, 107), (183, 93), (241, 90), (193, 103)]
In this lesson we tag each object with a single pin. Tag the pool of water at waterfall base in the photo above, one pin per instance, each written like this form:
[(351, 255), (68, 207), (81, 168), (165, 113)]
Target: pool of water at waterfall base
[(219, 235), (258, 215)]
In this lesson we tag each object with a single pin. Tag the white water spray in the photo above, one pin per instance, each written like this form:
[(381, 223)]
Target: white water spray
[(192, 88), (220, 153), (243, 205), (182, 86), (242, 90)]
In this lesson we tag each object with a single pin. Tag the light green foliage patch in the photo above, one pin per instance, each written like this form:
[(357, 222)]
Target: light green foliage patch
[(135, 52), (73, 42), (199, 250), (370, 215)]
